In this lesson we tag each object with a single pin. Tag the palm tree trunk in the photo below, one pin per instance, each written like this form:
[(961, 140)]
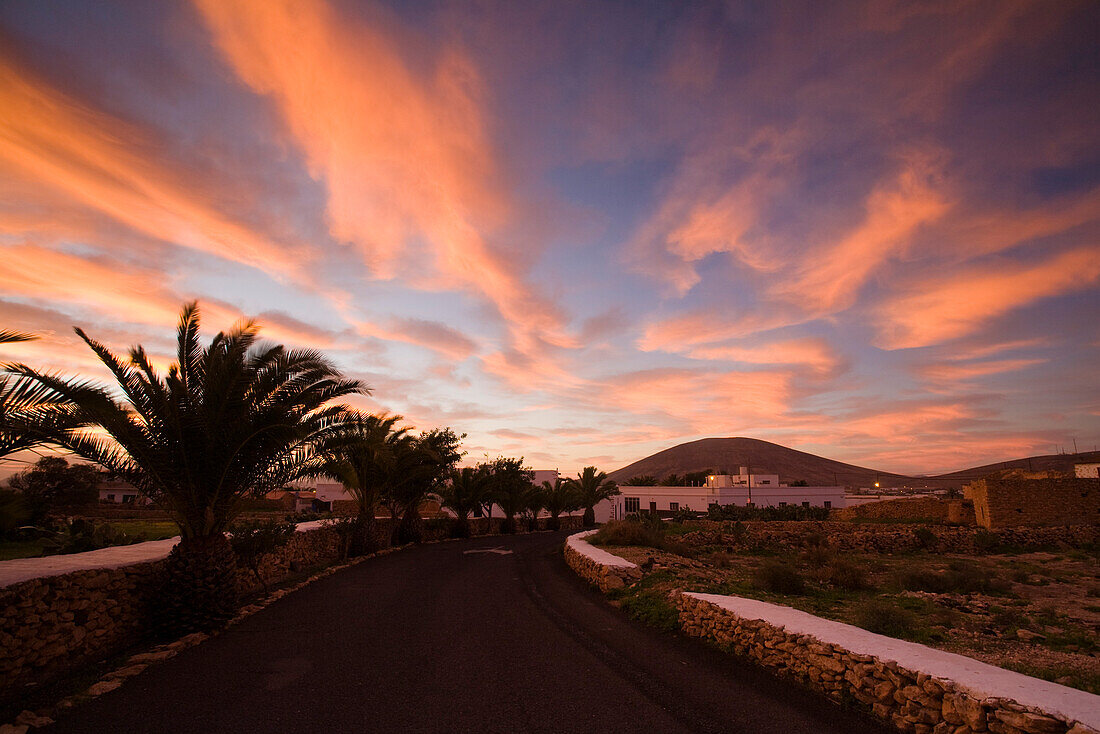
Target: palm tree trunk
[(589, 517), (199, 593)]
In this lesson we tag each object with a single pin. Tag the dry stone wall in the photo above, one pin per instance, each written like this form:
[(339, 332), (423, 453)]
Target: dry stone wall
[(606, 573), (911, 700), (891, 538)]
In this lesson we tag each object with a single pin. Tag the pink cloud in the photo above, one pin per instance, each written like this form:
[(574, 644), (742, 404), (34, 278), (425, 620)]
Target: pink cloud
[(937, 310), (412, 177)]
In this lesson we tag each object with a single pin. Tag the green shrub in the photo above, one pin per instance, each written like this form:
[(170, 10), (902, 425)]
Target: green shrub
[(78, 535), (848, 576), (771, 514), (633, 530), (925, 538), (958, 578), (778, 578), (652, 607), (252, 540), (882, 617), (986, 541)]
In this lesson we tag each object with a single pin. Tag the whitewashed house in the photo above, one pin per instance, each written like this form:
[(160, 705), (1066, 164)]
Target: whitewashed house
[(759, 490)]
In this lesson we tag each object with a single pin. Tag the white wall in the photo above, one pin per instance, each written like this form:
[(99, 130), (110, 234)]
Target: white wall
[(700, 498)]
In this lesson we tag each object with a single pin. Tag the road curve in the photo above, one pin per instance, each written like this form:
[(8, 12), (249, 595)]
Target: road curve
[(438, 639)]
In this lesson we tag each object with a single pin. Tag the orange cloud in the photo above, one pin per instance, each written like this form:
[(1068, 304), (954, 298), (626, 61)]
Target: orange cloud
[(813, 353), (952, 373), (829, 281), (934, 311), (405, 156), (51, 142)]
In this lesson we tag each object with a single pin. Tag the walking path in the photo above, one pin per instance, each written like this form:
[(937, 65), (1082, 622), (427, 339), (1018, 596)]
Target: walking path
[(24, 569), (436, 639)]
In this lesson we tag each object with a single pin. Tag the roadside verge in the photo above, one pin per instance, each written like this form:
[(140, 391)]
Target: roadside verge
[(913, 687)]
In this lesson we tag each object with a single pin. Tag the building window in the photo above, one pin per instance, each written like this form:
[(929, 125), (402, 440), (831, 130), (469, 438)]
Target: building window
[(765, 481), (110, 498), (632, 504), (674, 506), (805, 504), (128, 499), (828, 505)]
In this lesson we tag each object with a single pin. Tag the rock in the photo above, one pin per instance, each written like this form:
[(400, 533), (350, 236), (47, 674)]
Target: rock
[(128, 671), (31, 719), (1080, 728), (13, 729), (1031, 723), (152, 657), (1028, 635), (971, 711), (103, 686), (611, 581)]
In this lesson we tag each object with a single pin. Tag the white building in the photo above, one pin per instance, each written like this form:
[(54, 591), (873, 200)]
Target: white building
[(1086, 471), (722, 489), (116, 491)]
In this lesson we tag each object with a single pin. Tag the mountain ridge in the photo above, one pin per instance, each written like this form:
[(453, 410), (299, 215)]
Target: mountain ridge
[(765, 457)]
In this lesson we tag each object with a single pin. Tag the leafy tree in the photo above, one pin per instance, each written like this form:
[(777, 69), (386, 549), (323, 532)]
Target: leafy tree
[(592, 487), (534, 503), (800, 483), (53, 484), (697, 478), (644, 480), (232, 420), (462, 495), (13, 511), (557, 498), (509, 483), (362, 454), (674, 480)]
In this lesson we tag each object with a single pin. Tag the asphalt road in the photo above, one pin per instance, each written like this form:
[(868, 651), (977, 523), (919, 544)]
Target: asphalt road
[(438, 639)]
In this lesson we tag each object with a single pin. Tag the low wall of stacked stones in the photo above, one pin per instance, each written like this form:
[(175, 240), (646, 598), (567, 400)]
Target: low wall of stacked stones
[(604, 577), (910, 700), (55, 624), (892, 538)]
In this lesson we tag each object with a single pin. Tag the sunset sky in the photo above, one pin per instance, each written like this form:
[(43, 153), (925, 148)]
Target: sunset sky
[(583, 232)]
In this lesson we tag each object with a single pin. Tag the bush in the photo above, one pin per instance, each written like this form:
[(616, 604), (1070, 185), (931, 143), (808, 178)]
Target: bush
[(77, 535), (925, 538), (884, 618), (633, 530), (252, 540), (652, 607), (778, 578), (13, 512), (770, 514), (958, 578), (847, 575), (986, 541)]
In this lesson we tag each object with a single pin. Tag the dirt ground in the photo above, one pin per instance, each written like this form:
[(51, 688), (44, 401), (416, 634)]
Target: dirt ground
[(1034, 612)]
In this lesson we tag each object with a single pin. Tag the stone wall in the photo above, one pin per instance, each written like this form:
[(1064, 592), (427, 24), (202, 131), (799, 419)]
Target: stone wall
[(1015, 502), (889, 538), (605, 576), (910, 700), (925, 509)]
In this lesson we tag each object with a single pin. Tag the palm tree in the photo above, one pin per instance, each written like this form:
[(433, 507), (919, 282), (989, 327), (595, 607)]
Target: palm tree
[(423, 464), (557, 498), (462, 495), (534, 503), (232, 420), (592, 488), (21, 399), (361, 454)]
